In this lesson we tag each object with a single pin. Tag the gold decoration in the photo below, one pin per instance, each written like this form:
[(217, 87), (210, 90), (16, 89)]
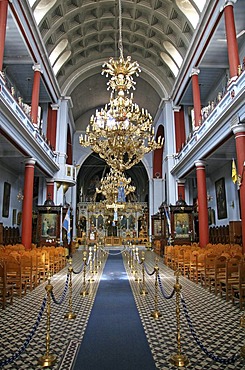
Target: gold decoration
[(111, 183)]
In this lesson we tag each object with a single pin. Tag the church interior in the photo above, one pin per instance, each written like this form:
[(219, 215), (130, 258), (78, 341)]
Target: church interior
[(122, 202)]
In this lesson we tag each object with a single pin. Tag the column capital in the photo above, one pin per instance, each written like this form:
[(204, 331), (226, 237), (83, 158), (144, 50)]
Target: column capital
[(30, 161), (37, 68), (227, 3), (200, 163), (181, 181), (55, 106), (238, 128), (68, 100), (195, 71), (236, 125), (177, 108), (50, 181)]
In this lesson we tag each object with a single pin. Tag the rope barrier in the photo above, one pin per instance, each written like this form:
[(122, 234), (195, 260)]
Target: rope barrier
[(63, 294), (230, 360), (79, 271), (162, 290), (28, 339), (148, 272), (113, 254)]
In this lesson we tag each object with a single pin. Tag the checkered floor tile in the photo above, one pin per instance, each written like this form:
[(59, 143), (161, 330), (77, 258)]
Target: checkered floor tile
[(215, 321)]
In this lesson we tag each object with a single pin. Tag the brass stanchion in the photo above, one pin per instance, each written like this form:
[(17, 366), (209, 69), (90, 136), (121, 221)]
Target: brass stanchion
[(242, 324), (48, 359), (95, 259), (70, 315), (91, 270), (137, 278), (178, 359), (143, 290), (130, 256), (156, 314), (132, 262), (84, 291)]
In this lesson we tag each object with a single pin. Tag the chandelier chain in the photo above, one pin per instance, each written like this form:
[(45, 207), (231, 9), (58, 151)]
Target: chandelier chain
[(120, 44)]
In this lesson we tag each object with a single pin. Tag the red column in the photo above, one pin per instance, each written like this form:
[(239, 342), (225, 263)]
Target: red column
[(202, 204), (52, 125), (27, 203), (35, 93), (179, 124), (50, 189), (232, 45), (181, 189), (3, 24), (239, 131), (196, 96)]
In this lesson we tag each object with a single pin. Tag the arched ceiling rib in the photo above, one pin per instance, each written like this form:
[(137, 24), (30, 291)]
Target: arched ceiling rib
[(90, 31), (91, 28)]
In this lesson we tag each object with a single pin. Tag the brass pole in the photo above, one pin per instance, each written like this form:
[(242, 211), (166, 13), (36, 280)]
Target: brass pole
[(70, 315), (91, 279), (95, 259), (133, 263), (131, 257), (137, 278), (48, 359), (84, 291), (178, 359), (143, 290), (156, 314)]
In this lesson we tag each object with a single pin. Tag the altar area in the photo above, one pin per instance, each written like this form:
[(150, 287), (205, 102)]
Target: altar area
[(111, 226)]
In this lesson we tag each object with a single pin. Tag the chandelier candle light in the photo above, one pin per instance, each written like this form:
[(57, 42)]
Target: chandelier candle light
[(121, 133)]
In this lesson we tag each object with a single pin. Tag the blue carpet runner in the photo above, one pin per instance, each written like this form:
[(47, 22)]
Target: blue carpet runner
[(114, 338)]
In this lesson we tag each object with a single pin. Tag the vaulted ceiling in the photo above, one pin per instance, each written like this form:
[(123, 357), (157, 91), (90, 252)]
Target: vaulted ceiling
[(87, 33)]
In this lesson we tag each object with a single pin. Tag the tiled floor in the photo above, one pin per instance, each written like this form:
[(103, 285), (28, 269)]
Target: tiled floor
[(215, 321)]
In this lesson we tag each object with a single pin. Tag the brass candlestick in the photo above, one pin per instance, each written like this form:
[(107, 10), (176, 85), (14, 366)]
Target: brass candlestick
[(156, 314), (143, 290), (70, 315), (178, 359), (84, 291), (48, 359)]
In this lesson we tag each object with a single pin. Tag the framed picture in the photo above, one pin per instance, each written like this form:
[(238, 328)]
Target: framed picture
[(48, 225), (181, 225), (6, 199), (221, 198)]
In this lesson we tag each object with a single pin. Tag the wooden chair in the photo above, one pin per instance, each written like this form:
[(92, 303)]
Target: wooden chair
[(6, 290), (29, 274), (168, 255), (15, 276), (196, 265), (231, 277), (238, 290), (207, 274), (220, 269)]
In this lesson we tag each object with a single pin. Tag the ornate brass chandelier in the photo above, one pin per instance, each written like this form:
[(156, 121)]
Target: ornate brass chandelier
[(121, 133), (115, 187)]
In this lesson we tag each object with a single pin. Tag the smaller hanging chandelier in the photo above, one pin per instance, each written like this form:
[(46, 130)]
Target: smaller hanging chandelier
[(121, 133), (115, 187)]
